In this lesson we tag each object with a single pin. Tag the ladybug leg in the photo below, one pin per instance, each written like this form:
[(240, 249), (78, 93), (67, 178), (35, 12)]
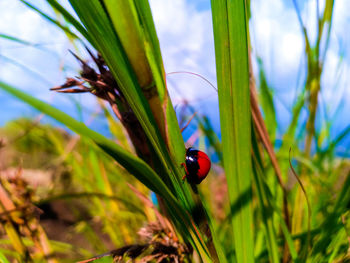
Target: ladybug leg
[(184, 165)]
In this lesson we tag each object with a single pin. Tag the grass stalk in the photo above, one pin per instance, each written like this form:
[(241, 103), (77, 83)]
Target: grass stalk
[(231, 51)]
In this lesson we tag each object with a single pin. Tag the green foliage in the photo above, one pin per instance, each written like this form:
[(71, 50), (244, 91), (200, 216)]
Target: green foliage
[(231, 49), (267, 104), (238, 214)]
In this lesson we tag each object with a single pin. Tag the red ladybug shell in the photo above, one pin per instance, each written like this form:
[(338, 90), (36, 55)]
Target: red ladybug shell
[(197, 165), (204, 165)]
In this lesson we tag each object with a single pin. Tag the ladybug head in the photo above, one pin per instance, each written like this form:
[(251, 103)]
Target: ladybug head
[(190, 151)]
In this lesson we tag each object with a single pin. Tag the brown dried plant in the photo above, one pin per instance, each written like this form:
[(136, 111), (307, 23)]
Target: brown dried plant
[(20, 220), (102, 84)]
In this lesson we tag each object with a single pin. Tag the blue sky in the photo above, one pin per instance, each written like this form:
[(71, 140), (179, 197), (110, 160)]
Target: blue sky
[(185, 33)]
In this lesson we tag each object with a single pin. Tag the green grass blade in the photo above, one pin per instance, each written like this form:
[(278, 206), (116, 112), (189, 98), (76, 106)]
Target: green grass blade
[(3, 259), (267, 104), (214, 228), (231, 50), (68, 17), (125, 21), (336, 244), (151, 35), (16, 39), (289, 240), (264, 206)]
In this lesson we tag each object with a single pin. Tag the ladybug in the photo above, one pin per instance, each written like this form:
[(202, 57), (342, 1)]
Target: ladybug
[(197, 166)]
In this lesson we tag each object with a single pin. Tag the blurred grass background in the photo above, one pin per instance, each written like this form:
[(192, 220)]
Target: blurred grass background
[(68, 197)]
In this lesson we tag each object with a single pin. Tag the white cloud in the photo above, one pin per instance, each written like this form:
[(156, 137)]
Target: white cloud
[(291, 49), (276, 38), (187, 44), (19, 21)]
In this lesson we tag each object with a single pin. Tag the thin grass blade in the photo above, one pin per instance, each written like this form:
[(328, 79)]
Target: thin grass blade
[(231, 50)]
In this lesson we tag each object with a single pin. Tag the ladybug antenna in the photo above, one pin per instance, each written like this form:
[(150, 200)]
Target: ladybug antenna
[(188, 122), (195, 74)]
